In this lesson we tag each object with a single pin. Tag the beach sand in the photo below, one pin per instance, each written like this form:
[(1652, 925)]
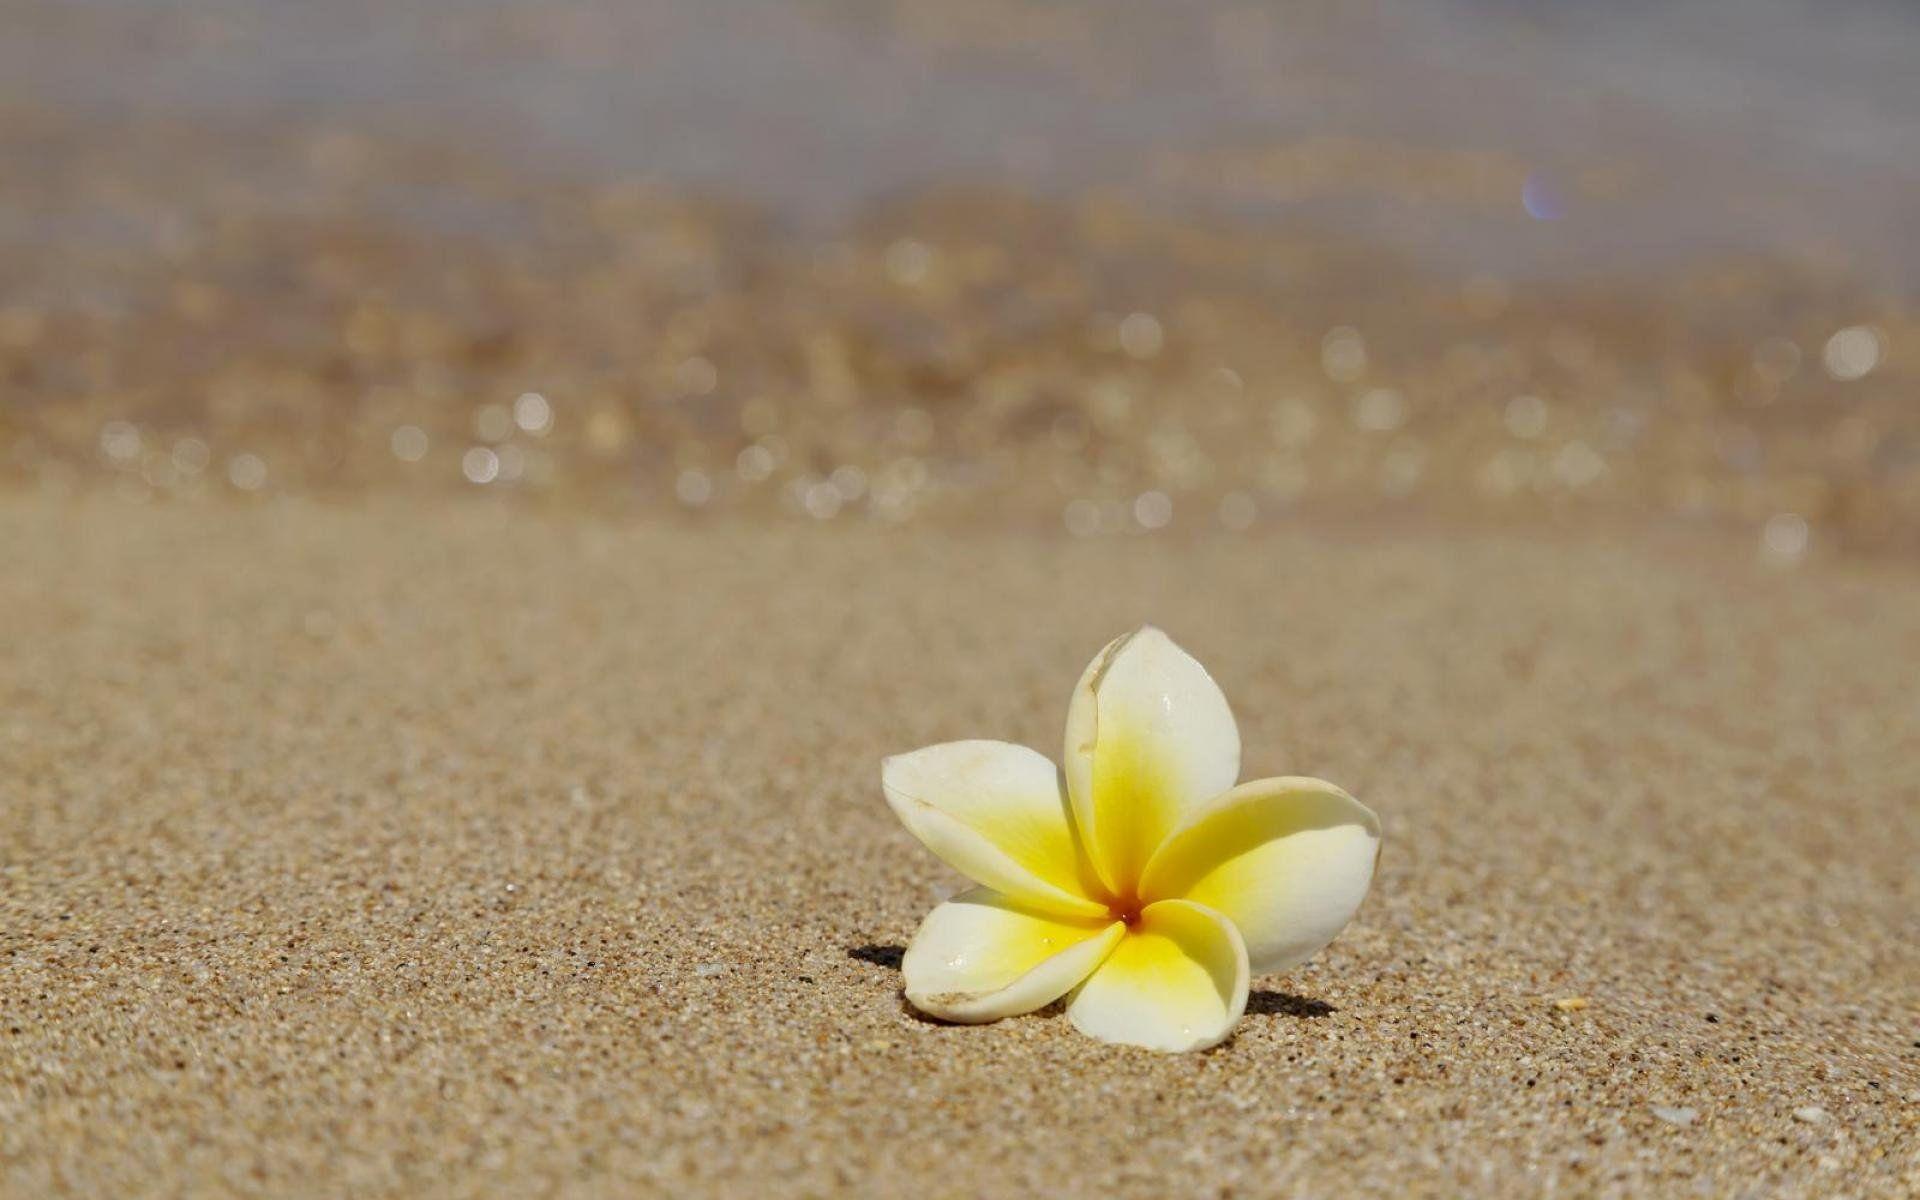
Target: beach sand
[(443, 849)]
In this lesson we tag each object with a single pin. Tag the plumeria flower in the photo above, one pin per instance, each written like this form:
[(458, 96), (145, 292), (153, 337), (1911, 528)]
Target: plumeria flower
[(1138, 882)]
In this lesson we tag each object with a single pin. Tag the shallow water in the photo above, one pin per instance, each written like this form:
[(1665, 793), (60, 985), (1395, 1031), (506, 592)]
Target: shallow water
[(1665, 129), (1122, 267)]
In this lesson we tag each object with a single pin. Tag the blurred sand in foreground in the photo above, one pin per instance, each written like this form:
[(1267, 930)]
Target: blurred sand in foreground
[(459, 850)]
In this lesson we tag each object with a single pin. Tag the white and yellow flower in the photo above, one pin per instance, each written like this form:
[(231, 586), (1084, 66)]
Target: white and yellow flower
[(1139, 883)]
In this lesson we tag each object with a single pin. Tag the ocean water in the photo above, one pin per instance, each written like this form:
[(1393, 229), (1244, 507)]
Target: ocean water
[(1101, 266), (1569, 137)]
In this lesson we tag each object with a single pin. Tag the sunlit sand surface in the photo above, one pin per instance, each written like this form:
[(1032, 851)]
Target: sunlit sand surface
[(425, 848)]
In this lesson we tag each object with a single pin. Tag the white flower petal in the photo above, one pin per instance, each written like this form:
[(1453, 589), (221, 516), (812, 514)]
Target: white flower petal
[(982, 956), (1149, 738), (1177, 981), (1288, 861), (994, 812)]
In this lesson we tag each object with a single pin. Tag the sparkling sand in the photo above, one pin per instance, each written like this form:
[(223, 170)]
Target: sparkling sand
[(456, 849)]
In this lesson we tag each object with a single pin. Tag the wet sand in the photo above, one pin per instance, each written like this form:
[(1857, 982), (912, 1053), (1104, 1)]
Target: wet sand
[(452, 848)]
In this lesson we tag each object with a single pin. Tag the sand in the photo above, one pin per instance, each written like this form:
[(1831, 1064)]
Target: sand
[(451, 849)]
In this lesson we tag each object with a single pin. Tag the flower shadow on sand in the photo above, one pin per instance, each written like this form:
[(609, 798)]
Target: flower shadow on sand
[(880, 956), (1260, 1001)]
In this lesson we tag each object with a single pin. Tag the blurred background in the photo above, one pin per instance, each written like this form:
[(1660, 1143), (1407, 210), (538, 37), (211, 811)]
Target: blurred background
[(1100, 268)]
